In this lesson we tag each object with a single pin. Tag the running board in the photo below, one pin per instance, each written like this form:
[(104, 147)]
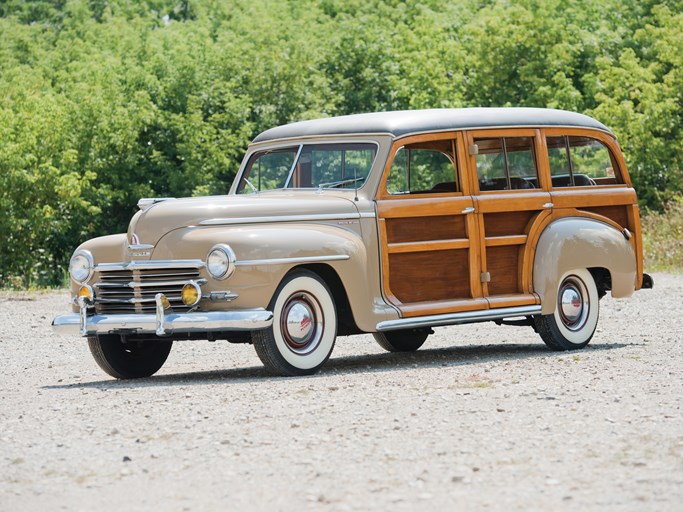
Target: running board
[(457, 318)]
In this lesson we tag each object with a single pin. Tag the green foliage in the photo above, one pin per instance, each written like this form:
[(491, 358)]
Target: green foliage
[(663, 238), (107, 101)]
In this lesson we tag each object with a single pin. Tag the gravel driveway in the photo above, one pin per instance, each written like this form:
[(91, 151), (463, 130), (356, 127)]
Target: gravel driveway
[(483, 417)]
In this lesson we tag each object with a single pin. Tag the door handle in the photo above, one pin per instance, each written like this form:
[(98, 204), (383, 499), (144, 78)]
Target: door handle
[(469, 209), (548, 205)]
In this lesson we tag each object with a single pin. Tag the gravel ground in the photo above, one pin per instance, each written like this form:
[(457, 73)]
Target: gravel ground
[(483, 417)]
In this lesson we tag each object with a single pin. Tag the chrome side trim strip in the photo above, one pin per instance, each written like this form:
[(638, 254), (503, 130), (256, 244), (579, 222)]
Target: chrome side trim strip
[(457, 318), (302, 259), (150, 264), (287, 218), (208, 321)]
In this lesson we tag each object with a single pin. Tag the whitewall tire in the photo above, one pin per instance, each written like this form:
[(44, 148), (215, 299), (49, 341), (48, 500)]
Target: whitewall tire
[(304, 327), (573, 323)]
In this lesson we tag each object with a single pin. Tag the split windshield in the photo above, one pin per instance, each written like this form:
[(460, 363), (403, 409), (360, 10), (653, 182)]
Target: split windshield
[(308, 166)]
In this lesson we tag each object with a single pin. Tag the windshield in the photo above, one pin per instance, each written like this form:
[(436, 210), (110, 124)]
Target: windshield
[(308, 166)]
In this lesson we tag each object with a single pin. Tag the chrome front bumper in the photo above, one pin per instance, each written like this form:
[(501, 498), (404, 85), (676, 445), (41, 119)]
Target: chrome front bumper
[(163, 323)]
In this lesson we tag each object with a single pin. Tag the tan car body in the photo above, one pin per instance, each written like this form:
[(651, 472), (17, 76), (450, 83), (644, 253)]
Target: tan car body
[(376, 251)]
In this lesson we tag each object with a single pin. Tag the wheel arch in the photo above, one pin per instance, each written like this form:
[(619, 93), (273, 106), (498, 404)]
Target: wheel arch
[(346, 324), (570, 243)]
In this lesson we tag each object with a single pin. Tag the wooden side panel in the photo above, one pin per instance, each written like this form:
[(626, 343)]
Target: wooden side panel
[(502, 264), (429, 276), (508, 223), (420, 229), (618, 214)]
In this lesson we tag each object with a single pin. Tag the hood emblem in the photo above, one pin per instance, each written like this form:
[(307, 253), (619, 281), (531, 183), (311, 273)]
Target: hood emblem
[(138, 250)]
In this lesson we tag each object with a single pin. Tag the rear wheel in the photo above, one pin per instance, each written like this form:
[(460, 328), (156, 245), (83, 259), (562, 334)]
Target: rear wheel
[(575, 318), (304, 327), (408, 340), (131, 360)]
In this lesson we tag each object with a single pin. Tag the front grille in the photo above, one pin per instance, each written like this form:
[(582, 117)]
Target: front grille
[(132, 290)]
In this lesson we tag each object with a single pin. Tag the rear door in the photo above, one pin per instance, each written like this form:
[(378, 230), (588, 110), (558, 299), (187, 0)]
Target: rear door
[(510, 195)]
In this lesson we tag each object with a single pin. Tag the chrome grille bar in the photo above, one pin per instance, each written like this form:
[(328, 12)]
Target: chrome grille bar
[(131, 287)]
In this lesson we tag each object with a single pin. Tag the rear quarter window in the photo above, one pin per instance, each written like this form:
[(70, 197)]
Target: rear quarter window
[(577, 161)]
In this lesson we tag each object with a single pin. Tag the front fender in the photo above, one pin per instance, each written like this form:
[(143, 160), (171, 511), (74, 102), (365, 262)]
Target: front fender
[(573, 243), (265, 253)]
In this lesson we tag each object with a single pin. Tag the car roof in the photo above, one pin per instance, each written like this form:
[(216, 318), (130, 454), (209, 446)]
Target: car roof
[(405, 122)]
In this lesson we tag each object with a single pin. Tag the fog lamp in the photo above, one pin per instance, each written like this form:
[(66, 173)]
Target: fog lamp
[(191, 294), (86, 292)]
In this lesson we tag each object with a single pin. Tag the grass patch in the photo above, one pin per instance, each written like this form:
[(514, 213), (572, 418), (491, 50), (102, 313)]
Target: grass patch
[(663, 239)]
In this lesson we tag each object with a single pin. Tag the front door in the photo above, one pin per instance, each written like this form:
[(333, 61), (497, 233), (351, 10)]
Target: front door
[(428, 229)]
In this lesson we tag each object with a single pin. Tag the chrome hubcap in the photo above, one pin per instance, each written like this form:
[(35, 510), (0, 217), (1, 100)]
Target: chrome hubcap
[(301, 323), (573, 303)]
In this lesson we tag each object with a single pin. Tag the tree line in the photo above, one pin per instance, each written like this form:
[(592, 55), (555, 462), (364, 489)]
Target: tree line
[(106, 101)]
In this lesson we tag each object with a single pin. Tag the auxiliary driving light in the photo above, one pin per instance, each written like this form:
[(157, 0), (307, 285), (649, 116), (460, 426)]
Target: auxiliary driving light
[(191, 294), (86, 292)]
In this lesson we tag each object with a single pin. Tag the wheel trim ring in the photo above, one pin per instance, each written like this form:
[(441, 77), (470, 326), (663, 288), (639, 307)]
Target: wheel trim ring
[(314, 330), (573, 303)]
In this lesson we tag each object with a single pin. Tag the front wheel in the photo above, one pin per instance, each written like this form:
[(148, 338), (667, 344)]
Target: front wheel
[(304, 327), (131, 360), (575, 318)]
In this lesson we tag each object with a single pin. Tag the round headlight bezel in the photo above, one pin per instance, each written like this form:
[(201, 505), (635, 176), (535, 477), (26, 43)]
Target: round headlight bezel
[(227, 261), (86, 271)]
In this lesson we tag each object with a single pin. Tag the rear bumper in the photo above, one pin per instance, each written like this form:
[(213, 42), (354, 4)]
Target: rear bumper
[(164, 324)]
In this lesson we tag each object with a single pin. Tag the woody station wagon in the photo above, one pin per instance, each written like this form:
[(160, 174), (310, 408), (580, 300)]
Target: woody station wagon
[(388, 223)]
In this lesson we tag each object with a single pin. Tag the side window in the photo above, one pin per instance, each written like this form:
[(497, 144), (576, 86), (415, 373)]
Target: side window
[(580, 161), (423, 168), (506, 163)]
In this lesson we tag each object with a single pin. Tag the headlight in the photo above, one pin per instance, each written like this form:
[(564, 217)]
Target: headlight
[(220, 261), (81, 266)]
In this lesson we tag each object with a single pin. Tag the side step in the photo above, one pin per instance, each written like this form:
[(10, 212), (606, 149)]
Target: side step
[(458, 318)]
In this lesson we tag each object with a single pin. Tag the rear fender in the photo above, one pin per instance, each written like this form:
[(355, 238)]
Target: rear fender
[(573, 243)]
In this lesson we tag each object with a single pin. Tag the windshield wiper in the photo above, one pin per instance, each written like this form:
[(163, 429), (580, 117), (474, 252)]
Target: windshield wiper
[(334, 184), (250, 185)]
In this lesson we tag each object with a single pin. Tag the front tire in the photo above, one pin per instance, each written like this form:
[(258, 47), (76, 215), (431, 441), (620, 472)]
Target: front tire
[(573, 323), (408, 340), (131, 360), (304, 327)]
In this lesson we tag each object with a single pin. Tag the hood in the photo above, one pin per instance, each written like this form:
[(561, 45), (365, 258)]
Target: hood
[(151, 224)]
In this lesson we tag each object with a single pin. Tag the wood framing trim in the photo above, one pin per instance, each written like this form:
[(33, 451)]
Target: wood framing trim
[(432, 245), (497, 241)]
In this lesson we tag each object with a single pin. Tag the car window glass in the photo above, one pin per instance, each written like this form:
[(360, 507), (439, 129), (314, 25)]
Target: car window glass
[(580, 161), (506, 163), (423, 168), (590, 157), (267, 170), (334, 166), (317, 166)]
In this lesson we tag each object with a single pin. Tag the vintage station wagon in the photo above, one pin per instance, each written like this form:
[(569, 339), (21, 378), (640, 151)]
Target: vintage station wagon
[(389, 223)]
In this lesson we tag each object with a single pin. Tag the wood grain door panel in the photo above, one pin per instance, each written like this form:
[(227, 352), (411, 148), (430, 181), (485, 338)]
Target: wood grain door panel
[(430, 253)]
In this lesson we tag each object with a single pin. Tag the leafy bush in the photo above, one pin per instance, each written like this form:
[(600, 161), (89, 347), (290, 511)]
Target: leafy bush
[(107, 101), (663, 239)]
